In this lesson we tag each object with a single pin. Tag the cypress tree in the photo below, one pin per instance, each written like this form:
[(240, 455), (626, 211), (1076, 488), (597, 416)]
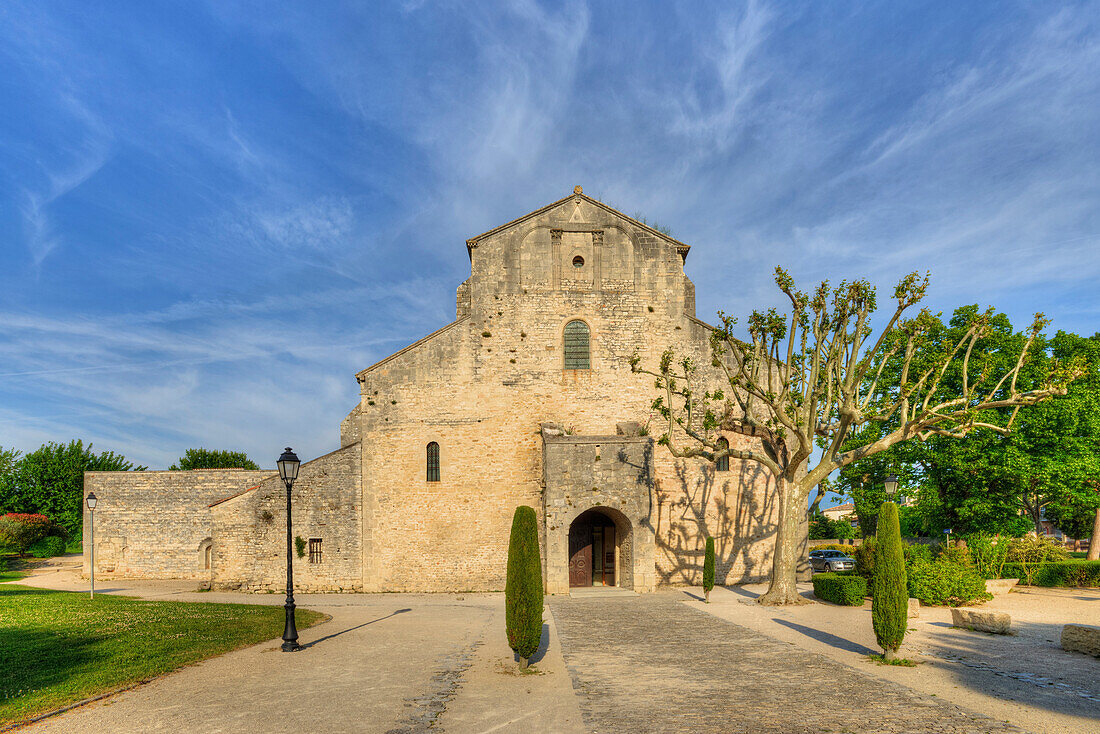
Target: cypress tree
[(890, 595), (708, 569), (523, 589)]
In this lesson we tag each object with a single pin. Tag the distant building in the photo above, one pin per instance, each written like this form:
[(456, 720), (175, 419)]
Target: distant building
[(847, 511)]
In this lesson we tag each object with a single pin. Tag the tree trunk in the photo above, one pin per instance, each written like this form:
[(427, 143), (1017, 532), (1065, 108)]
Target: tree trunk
[(1094, 541), (706, 595), (523, 663), (785, 557), (888, 655)]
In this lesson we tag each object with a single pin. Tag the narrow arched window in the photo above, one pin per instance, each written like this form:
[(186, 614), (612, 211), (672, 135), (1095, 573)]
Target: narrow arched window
[(576, 346), (723, 462), (433, 462)]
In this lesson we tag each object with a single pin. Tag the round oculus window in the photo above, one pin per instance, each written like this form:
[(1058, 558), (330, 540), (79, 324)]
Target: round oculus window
[(578, 262)]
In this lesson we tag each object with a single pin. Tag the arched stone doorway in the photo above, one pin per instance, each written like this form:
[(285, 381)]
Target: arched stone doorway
[(600, 549)]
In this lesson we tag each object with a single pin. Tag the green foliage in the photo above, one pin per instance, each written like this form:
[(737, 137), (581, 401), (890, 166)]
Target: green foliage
[(1073, 573), (708, 567), (48, 547), (840, 588), (50, 481), (865, 558), (918, 552), (300, 546), (945, 582), (523, 593), (62, 647), (20, 531), (989, 554), (822, 527), (833, 546), (889, 591), (201, 458), (1035, 549)]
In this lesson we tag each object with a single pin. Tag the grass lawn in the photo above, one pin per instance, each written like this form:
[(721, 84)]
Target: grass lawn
[(58, 647)]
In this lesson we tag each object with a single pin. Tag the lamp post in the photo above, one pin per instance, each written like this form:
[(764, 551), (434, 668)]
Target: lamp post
[(91, 500), (891, 486), (288, 470)]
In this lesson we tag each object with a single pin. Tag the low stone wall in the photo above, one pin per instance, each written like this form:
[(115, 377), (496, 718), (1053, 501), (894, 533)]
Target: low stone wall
[(156, 524), (1081, 638), (997, 623), (1000, 587)]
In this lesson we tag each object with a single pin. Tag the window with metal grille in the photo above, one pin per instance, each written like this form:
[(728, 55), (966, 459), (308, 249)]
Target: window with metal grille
[(433, 462), (576, 346), (723, 463), (314, 550)]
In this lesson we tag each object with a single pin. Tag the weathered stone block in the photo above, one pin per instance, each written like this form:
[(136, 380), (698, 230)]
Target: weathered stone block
[(914, 608), (1081, 638), (999, 587), (997, 623)]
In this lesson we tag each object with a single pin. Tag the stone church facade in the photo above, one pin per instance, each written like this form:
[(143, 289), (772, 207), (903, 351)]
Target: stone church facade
[(527, 398)]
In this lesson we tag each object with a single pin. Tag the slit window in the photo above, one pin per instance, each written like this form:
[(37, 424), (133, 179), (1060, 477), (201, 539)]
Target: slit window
[(576, 346), (433, 462), (722, 463), (315, 555)]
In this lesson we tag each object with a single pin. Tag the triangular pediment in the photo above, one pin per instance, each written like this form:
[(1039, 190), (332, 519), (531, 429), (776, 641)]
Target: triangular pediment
[(578, 209)]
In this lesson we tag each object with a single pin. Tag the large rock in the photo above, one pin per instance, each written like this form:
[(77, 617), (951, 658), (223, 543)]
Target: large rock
[(997, 587), (1081, 638), (914, 608), (998, 623)]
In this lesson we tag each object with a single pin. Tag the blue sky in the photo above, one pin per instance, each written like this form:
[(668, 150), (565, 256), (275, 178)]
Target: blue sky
[(212, 216)]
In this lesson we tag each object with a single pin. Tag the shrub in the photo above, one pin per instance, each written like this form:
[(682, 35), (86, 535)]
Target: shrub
[(300, 546), (840, 588), (989, 554), (708, 569), (865, 558), (48, 547), (889, 591), (944, 582), (20, 531), (1073, 573), (1033, 549), (917, 552), (523, 587)]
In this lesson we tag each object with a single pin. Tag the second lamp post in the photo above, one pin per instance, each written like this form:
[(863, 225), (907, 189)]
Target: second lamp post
[(288, 470)]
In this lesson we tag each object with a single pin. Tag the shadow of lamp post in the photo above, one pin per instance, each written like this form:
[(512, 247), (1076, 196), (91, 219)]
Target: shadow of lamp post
[(92, 500), (288, 470)]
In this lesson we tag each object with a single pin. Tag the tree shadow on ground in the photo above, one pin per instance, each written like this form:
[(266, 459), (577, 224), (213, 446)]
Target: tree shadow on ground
[(352, 629), (540, 653), (829, 639)]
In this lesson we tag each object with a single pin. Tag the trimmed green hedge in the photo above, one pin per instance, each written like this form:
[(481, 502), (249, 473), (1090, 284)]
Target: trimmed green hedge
[(944, 582), (48, 547), (1073, 573), (840, 588)]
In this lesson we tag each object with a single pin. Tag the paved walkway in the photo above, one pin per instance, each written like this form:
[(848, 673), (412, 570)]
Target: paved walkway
[(653, 664)]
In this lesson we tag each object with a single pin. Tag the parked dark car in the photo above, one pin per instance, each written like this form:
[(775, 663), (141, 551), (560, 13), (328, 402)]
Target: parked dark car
[(831, 560)]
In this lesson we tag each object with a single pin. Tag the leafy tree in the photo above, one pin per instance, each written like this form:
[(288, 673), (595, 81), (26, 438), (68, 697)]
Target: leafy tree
[(708, 569), (890, 595), (811, 379), (50, 480), (20, 531), (523, 597), (213, 459), (821, 527)]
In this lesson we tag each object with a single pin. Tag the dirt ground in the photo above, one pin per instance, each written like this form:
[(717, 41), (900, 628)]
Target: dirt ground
[(1026, 678)]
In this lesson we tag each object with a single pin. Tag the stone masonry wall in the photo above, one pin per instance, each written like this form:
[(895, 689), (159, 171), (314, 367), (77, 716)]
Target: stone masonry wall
[(482, 386), (249, 530), (153, 524)]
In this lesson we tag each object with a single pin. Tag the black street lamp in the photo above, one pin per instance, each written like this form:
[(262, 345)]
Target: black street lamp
[(891, 486), (91, 500), (288, 470)]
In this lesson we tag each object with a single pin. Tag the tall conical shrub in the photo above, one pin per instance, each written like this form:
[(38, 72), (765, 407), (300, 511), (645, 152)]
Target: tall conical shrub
[(890, 595), (523, 589), (708, 569)]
